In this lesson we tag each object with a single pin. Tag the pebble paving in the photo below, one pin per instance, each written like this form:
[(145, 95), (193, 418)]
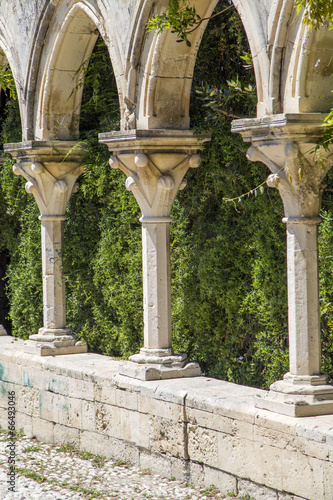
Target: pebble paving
[(51, 472)]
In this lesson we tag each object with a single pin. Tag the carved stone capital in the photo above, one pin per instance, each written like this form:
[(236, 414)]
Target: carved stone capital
[(154, 162), (286, 143), (51, 170), (155, 179)]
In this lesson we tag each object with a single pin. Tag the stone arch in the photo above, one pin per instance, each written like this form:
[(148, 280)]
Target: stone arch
[(160, 74), (10, 55), (285, 53), (65, 41)]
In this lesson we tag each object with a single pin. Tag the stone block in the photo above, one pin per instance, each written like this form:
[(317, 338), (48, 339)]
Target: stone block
[(125, 451), (59, 384), (81, 389), (203, 445), (43, 430), (24, 421), (180, 469), (304, 476), (107, 420), (10, 372), (5, 387), (273, 437), (34, 378), (196, 472), (105, 394), (127, 399), (255, 491), (88, 414), (69, 411), (49, 406), (66, 435), (155, 463), (168, 436), (27, 400), (3, 418), (160, 408), (223, 481)]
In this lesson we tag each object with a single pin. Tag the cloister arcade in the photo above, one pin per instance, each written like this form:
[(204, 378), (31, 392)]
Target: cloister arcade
[(46, 43)]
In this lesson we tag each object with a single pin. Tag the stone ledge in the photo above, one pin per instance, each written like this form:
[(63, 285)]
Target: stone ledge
[(198, 427)]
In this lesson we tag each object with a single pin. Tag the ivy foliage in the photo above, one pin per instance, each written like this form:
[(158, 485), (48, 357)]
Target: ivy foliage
[(317, 13)]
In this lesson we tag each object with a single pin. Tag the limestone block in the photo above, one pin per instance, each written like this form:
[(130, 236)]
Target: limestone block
[(33, 377), (245, 458), (11, 373), (4, 388), (171, 392), (127, 399), (223, 481), (105, 394), (60, 384), (134, 427), (88, 421), (303, 476), (65, 435), (69, 411), (109, 447), (95, 443), (43, 430), (155, 463), (168, 436), (271, 437), (314, 449), (282, 423), (24, 421), (3, 418), (49, 406), (125, 451), (256, 491), (27, 400), (180, 469), (197, 473), (210, 420), (160, 408), (107, 419), (81, 389), (203, 445), (328, 479)]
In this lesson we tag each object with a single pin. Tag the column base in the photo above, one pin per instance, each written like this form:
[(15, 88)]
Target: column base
[(298, 396), (52, 342), (158, 364)]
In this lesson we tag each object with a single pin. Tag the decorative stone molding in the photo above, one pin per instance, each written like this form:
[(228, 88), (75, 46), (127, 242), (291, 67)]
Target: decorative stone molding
[(155, 163), (285, 143), (51, 170)]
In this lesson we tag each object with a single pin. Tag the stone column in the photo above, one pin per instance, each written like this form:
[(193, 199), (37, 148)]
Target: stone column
[(155, 163), (51, 170), (285, 143)]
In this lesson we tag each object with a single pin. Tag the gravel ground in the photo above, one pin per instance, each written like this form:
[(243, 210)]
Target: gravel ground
[(50, 472)]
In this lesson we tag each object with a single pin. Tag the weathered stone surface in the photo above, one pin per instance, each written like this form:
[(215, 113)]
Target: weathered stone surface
[(165, 426)]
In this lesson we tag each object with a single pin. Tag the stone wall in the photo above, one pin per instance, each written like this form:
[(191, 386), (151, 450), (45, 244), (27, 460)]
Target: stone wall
[(199, 430)]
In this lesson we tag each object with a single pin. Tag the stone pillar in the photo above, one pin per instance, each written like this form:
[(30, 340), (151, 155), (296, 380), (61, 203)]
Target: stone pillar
[(285, 143), (51, 170), (155, 162)]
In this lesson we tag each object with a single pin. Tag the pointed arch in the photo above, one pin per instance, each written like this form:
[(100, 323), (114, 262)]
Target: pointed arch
[(65, 40), (10, 54)]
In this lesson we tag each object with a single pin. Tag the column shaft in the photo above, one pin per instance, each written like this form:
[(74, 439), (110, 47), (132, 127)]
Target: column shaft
[(303, 298), (54, 300), (156, 285)]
